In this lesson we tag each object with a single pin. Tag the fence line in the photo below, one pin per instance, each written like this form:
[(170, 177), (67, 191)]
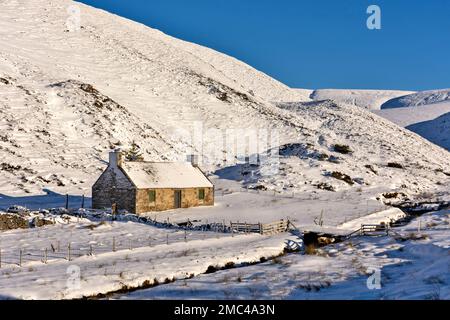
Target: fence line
[(70, 250), (261, 228)]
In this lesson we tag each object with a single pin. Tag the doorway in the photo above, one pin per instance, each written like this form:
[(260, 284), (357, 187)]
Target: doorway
[(177, 198)]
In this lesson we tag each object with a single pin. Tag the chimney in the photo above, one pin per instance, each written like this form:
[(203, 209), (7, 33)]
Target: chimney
[(115, 158), (193, 159)]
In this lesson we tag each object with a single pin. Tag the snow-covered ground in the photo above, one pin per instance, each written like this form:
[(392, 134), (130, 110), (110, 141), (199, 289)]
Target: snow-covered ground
[(108, 256), (408, 269), (254, 206), (142, 256)]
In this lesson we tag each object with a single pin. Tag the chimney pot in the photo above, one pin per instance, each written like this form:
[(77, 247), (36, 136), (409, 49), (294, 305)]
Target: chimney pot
[(116, 158), (193, 159)]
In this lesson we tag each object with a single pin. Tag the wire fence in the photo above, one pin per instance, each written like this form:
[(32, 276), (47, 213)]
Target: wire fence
[(58, 250)]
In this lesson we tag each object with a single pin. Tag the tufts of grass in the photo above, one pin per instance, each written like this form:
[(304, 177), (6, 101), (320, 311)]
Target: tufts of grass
[(311, 249)]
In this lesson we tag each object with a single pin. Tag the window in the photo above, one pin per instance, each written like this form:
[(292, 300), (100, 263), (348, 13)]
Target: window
[(151, 195), (201, 194)]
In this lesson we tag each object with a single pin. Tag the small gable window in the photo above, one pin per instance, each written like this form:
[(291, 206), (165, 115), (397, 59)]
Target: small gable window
[(151, 195), (201, 194)]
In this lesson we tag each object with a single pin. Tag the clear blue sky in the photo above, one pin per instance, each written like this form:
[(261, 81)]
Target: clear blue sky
[(314, 43)]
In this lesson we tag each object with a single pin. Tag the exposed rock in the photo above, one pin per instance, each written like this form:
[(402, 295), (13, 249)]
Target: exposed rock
[(9, 221)]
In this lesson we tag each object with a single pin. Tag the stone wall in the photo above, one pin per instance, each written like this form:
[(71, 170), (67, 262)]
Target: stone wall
[(9, 221), (165, 199), (113, 186)]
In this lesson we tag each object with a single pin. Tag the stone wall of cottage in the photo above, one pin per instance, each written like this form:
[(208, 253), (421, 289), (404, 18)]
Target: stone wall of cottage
[(165, 199), (113, 186)]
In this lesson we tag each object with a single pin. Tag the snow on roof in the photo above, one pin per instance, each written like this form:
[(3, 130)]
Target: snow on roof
[(148, 175)]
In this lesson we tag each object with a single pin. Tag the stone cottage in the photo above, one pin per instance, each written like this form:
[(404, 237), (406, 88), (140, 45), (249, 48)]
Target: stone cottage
[(151, 186)]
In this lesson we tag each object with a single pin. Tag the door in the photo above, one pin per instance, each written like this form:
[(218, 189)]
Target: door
[(177, 196)]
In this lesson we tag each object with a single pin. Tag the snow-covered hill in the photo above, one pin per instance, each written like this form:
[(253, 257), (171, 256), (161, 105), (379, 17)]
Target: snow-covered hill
[(429, 121), (418, 99), (368, 99), (68, 97), (436, 130)]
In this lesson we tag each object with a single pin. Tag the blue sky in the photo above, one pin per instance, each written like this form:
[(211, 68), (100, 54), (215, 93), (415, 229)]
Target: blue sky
[(314, 43)]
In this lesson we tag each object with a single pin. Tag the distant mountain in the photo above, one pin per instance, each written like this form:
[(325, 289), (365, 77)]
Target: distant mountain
[(429, 121), (367, 99), (418, 99)]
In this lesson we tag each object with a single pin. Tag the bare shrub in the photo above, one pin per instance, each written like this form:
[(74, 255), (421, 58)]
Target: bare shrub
[(342, 148), (311, 249)]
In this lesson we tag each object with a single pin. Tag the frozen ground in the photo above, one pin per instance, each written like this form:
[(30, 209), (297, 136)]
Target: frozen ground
[(142, 257), (408, 269), (414, 263), (252, 206)]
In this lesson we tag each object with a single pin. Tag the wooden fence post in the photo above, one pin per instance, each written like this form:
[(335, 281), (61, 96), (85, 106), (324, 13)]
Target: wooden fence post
[(69, 258), (185, 236), (232, 230), (114, 244), (20, 257), (67, 201), (260, 228), (82, 202), (167, 239), (45, 255)]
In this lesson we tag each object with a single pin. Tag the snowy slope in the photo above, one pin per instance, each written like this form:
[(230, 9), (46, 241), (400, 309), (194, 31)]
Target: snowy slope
[(143, 255), (418, 99), (413, 265), (68, 97), (407, 116), (436, 130), (429, 121), (425, 113), (368, 99)]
